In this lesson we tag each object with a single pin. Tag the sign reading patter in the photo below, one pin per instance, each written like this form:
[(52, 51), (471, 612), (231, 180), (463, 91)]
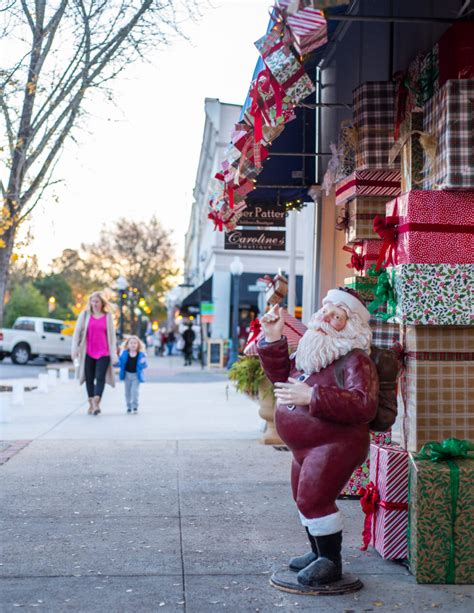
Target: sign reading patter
[(263, 215)]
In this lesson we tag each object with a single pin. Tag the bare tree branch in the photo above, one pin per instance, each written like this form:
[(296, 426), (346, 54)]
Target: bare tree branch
[(71, 47)]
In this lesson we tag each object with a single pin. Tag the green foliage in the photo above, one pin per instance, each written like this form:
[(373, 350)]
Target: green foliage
[(25, 300), (248, 376), (57, 286)]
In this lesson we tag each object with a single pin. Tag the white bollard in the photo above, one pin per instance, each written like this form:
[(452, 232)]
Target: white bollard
[(18, 394), (53, 377), (43, 383), (64, 375)]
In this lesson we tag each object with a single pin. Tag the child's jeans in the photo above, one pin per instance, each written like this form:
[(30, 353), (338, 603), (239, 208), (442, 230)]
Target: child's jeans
[(132, 385)]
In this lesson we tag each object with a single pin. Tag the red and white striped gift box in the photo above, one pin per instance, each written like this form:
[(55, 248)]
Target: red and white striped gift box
[(308, 27), (368, 183), (389, 473), (293, 330)]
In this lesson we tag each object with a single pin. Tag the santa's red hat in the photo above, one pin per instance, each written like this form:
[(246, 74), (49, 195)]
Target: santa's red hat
[(343, 296)]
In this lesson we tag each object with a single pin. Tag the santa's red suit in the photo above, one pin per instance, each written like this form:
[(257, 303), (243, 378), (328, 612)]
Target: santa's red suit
[(329, 439)]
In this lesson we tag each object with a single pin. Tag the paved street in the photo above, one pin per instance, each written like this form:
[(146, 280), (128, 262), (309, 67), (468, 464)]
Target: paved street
[(177, 508)]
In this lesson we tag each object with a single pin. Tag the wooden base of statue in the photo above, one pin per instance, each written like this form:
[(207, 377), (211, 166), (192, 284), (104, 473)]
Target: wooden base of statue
[(286, 581), (267, 413)]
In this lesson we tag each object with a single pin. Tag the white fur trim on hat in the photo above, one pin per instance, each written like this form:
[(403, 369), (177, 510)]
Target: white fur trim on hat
[(322, 526), (339, 296)]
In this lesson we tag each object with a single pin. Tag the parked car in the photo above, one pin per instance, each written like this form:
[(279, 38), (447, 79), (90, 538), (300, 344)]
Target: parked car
[(32, 337)]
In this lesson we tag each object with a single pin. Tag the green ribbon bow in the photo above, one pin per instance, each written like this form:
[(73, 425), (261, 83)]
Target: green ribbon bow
[(447, 451), (383, 294)]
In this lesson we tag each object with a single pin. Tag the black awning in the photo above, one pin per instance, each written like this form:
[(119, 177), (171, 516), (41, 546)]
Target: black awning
[(203, 293)]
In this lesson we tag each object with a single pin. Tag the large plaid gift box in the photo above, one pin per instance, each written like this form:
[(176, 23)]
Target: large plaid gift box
[(307, 25), (364, 286), (435, 391), (368, 183), (361, 476), (384, 335), (360, 217), (411, 155), (385, 502), (449, 119), (374, 104), (429, 227), (285, 67), (293, 329), (434, 294), (441, 513)]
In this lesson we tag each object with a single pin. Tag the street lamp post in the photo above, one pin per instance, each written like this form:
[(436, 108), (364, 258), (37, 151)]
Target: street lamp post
[(121, 287), (236, 269)]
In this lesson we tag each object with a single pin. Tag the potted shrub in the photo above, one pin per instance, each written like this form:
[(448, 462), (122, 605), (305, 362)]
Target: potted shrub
[(249, 378)]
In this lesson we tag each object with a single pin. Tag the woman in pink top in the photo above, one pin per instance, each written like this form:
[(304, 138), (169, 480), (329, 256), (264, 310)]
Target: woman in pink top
[(94, 344)]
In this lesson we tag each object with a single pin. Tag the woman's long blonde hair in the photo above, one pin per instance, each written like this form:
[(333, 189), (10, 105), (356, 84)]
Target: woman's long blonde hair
[(106, 306), (141, 344)]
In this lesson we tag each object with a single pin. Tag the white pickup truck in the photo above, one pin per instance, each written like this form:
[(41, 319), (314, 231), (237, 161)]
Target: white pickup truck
[(31, 337)]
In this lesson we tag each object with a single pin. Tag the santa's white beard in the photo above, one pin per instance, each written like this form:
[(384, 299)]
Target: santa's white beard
[(321, 344)]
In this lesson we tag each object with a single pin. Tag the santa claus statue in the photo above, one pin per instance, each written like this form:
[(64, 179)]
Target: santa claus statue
[(327, 394)]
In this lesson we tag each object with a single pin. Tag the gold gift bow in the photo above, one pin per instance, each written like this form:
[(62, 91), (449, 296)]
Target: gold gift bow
[(429, 144), (353, 134)]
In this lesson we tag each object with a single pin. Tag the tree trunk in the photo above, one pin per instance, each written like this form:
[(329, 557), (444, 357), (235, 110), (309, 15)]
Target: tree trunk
[(5, 256)]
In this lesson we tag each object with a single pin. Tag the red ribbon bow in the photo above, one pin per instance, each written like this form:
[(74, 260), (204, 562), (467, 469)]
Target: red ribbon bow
[(357, 259), (255, 329), (369, 500), (217, 219), (268, 280), (387, 229), (262, 85)]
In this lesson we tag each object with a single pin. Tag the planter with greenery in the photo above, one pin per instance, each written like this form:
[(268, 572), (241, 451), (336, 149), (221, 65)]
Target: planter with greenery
[(249, 378)]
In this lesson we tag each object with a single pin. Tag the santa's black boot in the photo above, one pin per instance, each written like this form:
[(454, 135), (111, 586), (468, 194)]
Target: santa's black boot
[(328, 567), (300, 562)]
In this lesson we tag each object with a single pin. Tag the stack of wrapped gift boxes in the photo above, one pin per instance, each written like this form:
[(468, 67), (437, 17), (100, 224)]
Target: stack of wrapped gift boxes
[(361, 197), (428, 249)]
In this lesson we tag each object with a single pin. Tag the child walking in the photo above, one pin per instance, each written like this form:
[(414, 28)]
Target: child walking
[(132, 363)]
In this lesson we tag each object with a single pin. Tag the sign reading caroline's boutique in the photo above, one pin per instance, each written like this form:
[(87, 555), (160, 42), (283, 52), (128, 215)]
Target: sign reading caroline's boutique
[(263, 215), (255, 240)]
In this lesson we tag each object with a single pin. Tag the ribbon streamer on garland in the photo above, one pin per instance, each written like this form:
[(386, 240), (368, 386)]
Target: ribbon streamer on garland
[(260, 107), (448, 451)]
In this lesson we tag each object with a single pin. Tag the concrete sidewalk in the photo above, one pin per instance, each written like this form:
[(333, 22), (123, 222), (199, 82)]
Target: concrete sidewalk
[(201, 407), (177, 508)]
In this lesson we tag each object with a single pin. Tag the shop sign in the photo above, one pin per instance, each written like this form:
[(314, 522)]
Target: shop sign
[(255, 240), (270, 215)]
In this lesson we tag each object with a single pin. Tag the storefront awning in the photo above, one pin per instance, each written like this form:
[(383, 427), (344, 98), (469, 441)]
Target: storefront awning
[(203, 293)]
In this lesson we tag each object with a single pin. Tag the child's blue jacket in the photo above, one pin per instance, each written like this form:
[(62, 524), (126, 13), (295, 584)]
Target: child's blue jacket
[(141, 364)]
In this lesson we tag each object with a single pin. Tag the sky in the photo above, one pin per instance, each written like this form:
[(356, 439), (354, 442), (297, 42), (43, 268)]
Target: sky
[(138, 156)]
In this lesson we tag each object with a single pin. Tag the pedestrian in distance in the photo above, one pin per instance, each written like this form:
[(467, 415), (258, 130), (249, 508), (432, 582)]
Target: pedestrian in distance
[(188, 338), (170, 341), (94, 346), (132, 363)]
